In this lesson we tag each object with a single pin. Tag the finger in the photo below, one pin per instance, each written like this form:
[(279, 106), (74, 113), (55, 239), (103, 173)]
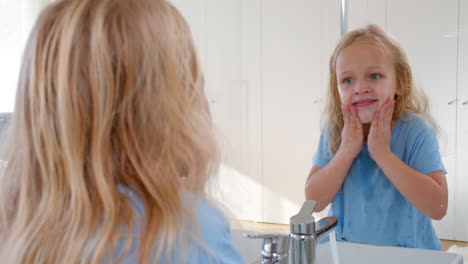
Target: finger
[(351, 122), (355, 117), (352, 118), (344, 110), (375, 121), (381, 122), (385, 103), (357, 120), (387, 114)]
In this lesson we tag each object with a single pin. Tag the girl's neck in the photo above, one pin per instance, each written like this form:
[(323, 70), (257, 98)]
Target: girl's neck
[(366, 128)]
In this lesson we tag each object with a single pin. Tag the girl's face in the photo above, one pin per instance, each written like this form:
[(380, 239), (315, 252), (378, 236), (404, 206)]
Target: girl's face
[(366, 78)]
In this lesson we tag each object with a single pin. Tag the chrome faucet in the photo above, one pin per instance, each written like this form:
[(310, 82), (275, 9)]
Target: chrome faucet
[(300, 245)]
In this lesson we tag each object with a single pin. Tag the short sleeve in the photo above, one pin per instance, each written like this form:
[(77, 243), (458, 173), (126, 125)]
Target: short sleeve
[(323, 156), (425, 156), (216, 233), (225, 250)]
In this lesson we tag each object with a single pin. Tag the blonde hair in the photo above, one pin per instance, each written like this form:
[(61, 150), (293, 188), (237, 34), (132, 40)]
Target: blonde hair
[(110, 97), (409, 99)]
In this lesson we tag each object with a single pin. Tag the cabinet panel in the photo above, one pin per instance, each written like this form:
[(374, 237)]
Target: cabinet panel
[(194, 13), (232, 102), (377, 13), (293, 77), (357, 14), (12, 35), (427, 32), (461, 195), (218, 27)]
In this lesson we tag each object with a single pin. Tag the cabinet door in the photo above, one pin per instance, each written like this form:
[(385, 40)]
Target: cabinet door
[(233, 99), (461, 195), (218, 27), (12, 41), (293, 76), (427, 31)]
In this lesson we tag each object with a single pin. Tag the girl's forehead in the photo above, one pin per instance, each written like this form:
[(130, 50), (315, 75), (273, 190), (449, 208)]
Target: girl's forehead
[(363, 54), (360, 49)]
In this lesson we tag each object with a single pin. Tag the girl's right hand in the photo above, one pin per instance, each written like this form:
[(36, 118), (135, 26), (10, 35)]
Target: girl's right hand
[(352, 136)]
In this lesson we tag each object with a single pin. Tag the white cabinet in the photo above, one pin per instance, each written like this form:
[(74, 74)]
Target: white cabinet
[(428, 32), (12, 36), (266, 66), (461, 194), (226, 33), (297, 38)]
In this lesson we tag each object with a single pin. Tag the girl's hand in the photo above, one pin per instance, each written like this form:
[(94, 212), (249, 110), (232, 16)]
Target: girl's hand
[(352, 136), (380, 134)]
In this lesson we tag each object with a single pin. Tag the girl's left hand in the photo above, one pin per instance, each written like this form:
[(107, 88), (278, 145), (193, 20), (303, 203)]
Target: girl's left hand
[(378, 140)]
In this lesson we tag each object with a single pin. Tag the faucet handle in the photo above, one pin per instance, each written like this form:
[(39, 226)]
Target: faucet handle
[(304, 222), (275, 246)]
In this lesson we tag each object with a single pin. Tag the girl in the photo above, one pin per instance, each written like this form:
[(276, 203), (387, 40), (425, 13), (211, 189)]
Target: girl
[(111, 142), (378, 159)]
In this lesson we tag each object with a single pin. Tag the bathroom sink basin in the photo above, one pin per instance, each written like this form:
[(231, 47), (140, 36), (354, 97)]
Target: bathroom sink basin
[(352, 253)]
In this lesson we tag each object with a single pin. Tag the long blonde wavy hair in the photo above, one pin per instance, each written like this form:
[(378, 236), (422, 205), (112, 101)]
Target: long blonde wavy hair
[(409, 99), (110, 97)]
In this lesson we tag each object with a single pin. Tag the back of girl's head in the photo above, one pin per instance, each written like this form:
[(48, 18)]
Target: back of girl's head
[(110, 96), (409, 99)]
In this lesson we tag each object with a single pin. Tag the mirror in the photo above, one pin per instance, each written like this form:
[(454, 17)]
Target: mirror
[(266, 66)]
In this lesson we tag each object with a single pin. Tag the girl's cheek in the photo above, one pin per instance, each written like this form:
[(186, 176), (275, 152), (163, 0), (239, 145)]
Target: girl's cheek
[(345, 99)]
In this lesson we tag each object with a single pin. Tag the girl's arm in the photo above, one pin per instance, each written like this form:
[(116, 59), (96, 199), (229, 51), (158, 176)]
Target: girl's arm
[(427, 192), (323, 183)]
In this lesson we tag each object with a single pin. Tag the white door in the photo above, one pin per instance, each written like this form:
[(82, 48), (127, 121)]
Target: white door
[(218, 28), (461, 194), (12, 36), (427, 31), (297, 37)]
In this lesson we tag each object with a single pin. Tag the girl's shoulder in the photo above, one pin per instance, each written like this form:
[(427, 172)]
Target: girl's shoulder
[(209, 216), (210, 226), (416, 123), (215, 231), (206, 214), (414, 127)]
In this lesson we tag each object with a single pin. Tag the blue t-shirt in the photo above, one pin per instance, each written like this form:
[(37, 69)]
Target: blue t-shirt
[(368, 206), (214, 231)]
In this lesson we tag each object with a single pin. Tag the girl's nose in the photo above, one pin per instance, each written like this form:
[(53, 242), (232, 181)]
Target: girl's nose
[(361, 88)]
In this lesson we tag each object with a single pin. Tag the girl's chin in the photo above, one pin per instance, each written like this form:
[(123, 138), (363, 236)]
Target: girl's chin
[(365, 117)]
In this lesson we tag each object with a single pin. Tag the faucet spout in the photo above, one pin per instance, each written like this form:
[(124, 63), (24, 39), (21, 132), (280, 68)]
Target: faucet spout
[(305, 234)]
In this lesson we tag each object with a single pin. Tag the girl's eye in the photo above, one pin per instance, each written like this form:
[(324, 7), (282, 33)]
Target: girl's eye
[(347, 80), (375, 76)]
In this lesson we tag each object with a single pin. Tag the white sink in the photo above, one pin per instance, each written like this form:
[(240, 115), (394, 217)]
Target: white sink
[(353, 253)]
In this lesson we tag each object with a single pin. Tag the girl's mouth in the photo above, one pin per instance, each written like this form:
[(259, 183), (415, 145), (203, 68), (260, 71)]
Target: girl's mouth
[(364, 103)]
